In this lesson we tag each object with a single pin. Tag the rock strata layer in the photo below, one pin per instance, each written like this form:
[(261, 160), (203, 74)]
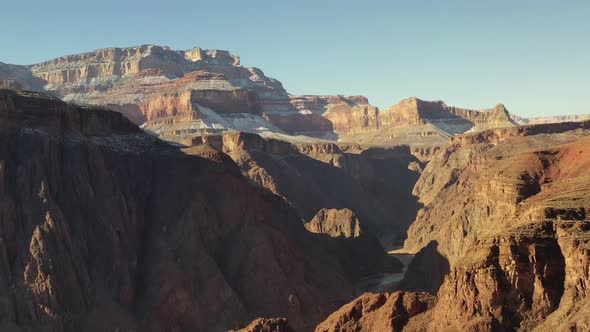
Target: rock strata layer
[(182, 94)]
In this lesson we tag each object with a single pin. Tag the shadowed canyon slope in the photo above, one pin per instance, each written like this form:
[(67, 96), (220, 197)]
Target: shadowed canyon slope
[(375, 184), (105, 227)]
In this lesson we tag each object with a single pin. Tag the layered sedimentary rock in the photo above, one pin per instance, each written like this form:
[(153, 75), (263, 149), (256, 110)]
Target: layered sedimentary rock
[(498, 178), (505, 212), (129, 80), (386, 312), (414, 122), (353, 120), (137, 80), (502, 239), (373, 183), (179, 115), (335, 223), (104, 227), (322, 104), (335, 113), (511, 280)]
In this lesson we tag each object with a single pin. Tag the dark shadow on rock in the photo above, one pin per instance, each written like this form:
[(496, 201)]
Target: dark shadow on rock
[(427, 270)]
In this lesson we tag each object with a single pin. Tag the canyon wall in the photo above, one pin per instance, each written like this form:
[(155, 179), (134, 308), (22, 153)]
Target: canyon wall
[(502, 240), (102, 228), (139, 82)]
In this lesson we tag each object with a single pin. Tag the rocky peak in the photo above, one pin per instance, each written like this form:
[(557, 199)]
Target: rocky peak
[(336, 223), (417, 110), (214, 56)]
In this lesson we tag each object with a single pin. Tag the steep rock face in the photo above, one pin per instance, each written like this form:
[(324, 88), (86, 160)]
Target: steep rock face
[(128, 80), (113, 62), (352, 120), (499, 178), (513, 280), (374, 183), (322, 104), (335, 223), (134, 78), (378, 312), (414, 122), (506, 210), (169, 105), (574, 240), (415, 111), (104, 227), (320, 116), (426, 271)]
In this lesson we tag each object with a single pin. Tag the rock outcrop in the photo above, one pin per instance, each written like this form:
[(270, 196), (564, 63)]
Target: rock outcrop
[(267, 325), (354, 119), (143, 82), (139, 82), (104, 227), (414, 122), (336, 223), (386, 312)]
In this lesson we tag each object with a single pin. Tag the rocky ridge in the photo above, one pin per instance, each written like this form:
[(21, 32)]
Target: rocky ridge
[(415, 122), (102, 229), (151, 85), (132, 80)]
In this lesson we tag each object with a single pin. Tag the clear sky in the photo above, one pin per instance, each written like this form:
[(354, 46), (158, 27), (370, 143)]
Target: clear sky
[(533, 56)]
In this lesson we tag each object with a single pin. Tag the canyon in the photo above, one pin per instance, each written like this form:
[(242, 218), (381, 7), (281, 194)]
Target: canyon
[(501, 241), (182, 94), (102, 229), (146, 188)]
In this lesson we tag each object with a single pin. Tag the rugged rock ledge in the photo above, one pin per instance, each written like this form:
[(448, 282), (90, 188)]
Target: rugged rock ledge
[(378, 312)]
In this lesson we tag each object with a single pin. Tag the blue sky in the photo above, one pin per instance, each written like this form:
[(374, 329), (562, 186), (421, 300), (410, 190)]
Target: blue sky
[(533, 56)]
